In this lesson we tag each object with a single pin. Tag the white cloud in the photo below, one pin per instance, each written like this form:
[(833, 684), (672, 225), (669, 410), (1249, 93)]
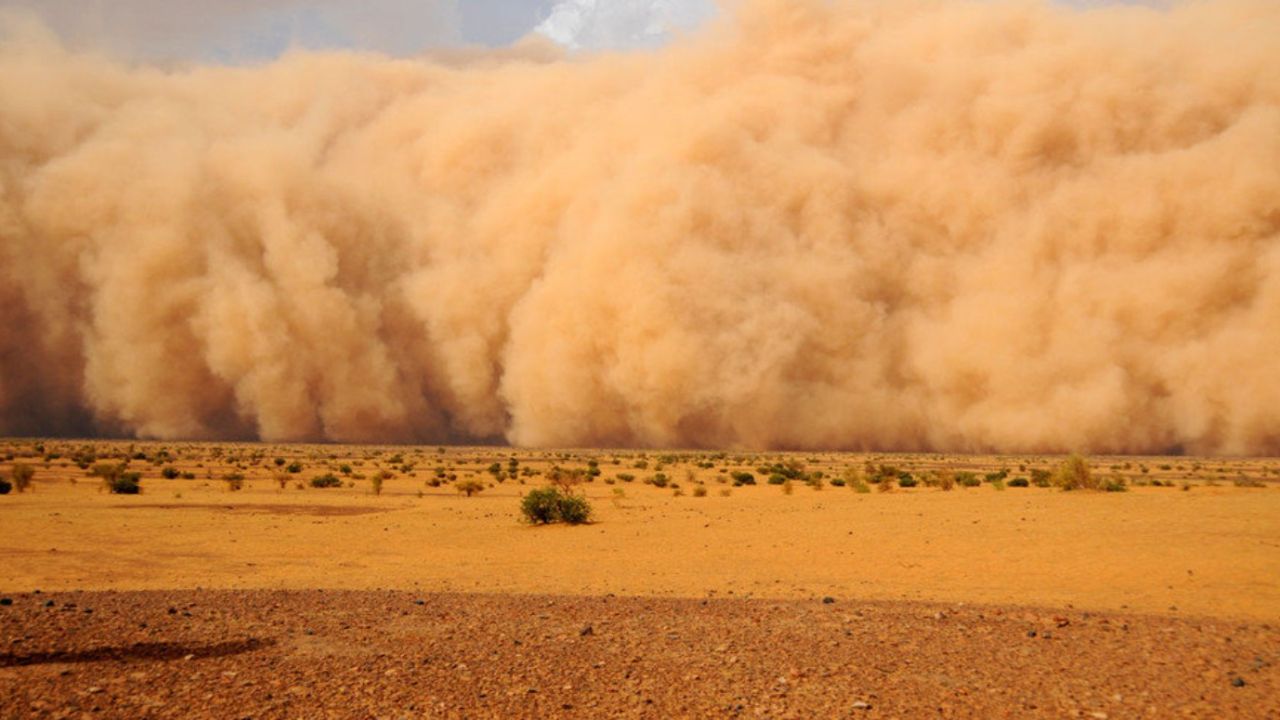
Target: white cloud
[(621, 24)]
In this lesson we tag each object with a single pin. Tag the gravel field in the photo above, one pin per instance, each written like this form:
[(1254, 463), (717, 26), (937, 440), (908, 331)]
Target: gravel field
[(384, 654)]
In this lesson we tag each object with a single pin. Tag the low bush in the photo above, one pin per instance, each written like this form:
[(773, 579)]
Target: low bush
[(170, 473), (967, 479), (125, 484), (469, 487), (699, 490), (742, 477), (328, 480), (907, 481), (777, 479), (21, 475), (548, 505), (1019, 482), (1074, 474)]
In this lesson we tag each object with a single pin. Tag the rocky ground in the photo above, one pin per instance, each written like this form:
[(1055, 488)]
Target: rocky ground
[(372, 654)]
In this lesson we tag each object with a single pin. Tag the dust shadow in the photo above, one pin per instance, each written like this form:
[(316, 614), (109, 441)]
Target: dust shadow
[(155, 651)]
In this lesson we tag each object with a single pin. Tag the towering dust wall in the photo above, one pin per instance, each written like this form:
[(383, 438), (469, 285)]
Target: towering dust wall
[(846, 224)]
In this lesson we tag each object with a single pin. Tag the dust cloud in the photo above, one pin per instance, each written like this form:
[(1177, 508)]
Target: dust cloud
[(954, 226)]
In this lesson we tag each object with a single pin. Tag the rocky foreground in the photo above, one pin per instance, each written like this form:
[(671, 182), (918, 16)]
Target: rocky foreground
[(373, 654)]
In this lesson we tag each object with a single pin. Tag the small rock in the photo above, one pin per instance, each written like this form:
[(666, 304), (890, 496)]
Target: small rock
[(588, 630), (828, 600), (188, 657), (1237, 681), (860, 705), (1031, 633), (6, 601), (48, 603)]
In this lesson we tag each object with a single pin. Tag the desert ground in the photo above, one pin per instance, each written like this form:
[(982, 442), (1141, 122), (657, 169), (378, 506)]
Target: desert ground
[(859, 585)]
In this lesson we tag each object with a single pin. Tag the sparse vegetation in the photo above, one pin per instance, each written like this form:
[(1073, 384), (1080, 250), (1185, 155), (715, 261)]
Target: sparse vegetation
[(21, 475), (328, 480), (469, 487), (548, 505), (1074, 474)]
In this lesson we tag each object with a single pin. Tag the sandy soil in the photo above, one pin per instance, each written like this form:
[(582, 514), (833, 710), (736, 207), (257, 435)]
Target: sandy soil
[(981, 602), (272, 654), (1210, 551)]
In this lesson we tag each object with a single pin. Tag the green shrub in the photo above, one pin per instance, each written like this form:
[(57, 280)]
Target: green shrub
[(967, 479), (547, 505), (836, 482), (1115, 485), (905, 480), (659, 480), (1041, 477), (294, 467), (126, 483), (777, 479), (741, 477), (328, 480)]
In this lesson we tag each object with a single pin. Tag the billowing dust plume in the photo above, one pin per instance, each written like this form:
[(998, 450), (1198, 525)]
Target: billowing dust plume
[(945, 225)]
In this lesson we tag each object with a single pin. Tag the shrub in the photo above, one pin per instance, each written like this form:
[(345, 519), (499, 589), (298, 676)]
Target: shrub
[(21, 475), (626, 477), (886, 484), (947, 480), (907, 481), (1073, 474), (699, 490), (328, 480), (836, 482), (235, 481), (787, 486), (1019, 482), (469, 487), (547, 505), (860, 487), (1115, 484), (1041, 477), (376, 483), (742, 477), (170, 473), (294, 467), (126, 483), (777, 479), (967, 479)]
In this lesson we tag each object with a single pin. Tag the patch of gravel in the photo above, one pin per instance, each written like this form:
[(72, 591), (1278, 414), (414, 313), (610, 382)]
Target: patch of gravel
[(338, 654)]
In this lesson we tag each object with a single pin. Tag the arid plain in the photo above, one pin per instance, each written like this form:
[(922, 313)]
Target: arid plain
[(1188, 543)]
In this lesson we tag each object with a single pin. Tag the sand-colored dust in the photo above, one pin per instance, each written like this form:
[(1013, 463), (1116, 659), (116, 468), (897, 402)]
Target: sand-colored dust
[(1210, 550), (834, 224)]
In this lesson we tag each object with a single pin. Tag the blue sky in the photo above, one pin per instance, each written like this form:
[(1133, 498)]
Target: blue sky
[(238, 31)]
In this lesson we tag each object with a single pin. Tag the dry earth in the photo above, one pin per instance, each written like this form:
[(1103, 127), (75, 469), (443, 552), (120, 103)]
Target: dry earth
[(1167, 595), (356, 654)]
